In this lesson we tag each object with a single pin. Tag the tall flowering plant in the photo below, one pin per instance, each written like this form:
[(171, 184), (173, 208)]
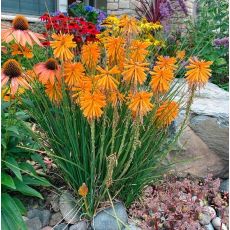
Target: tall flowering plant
[(105, 113)]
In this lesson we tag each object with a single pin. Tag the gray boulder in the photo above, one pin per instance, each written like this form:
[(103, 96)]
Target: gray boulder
[(209, 122), (109, 219), (69, 208)]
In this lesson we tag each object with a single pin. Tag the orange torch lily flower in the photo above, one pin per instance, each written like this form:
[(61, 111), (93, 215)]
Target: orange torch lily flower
[(139, 50), (166, 63), (166, 113), (74, 72), (20, 33), (54, 91), (198, 72), (105, 79), (140, 103), (90, 55), (62, 44), (134, 72), (92, 104), (161, 79), (12, 73)]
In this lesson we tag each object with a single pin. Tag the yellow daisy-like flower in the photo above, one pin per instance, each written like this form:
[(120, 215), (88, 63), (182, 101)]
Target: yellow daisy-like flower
[(90, 55), (128, 25), (62, 44), (139, 50), (161, 79), (180, 54), (115, 50), (140, 103), (134, 72), (73, 73), (147, 27), (198, 72), (91, 104), (166, 63), (111, 21), (166, 113), (105, 79)]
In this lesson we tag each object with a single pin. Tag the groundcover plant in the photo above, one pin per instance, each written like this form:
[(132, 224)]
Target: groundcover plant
[(104, 110)]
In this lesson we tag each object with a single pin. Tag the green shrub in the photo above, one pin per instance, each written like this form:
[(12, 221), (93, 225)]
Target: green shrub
[(17, 175)]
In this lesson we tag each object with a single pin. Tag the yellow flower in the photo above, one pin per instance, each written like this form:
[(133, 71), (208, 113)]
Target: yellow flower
[(180, 54), (90, 55), (21, 50), (166, 63), (139, 50), (128, 25), (111, 21), (62, 44), (147, 27), (161, 79), (198, 72), (83, 190), (105, 79), (166, 113), (134, 72), (73, 73), (91, 104), (140, 103), (115, 50)]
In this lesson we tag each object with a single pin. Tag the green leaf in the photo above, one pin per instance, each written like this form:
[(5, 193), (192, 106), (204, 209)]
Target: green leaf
[(38, 181), (13, 129), (25, 189), (36, 157), (27, 167), (20, 205), (12, 164), (7, 180), (11, 216)]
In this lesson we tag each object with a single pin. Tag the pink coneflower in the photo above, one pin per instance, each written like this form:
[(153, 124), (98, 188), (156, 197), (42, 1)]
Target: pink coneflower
[(12, 74), (20, 33), (48, 71)]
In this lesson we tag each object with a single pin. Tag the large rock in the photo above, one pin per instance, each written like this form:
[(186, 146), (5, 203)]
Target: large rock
[(195, 157), (111, 219), (69, 208), (209, 139)]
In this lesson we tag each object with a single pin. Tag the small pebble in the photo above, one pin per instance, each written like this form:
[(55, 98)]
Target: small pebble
[(216, 222), (61, 227), (55, 218), (209, 227), (34, 224), (224, 186), (82, 225), (210, 211), (204, 219), (47, 228)]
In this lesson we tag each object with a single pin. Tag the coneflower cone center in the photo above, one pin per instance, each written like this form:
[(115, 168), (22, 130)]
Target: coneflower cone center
[(20, 23), (51, 64), (12, 69)]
